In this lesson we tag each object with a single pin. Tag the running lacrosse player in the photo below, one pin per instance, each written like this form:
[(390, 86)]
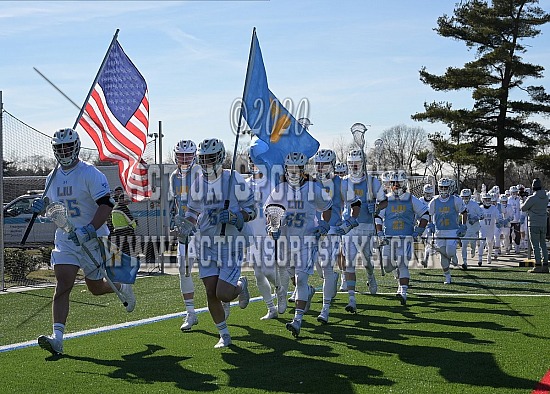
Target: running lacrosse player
[(341, 170), (448, 215), (357, 188), (180, 181), (400, 229), (220, 256), (472, 229), (428, 195), (85, 192), (301, 197), (488, 222)]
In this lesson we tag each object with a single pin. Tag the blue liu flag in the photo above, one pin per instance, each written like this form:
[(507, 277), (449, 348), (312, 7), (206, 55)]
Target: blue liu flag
[(268, 119), (119, 266)]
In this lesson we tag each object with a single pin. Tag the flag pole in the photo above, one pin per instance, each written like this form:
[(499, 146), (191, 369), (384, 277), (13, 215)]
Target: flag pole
[(81, 112), (233, 162)]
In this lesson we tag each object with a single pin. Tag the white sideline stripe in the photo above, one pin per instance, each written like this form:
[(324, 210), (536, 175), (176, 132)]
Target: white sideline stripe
[(78, 334)]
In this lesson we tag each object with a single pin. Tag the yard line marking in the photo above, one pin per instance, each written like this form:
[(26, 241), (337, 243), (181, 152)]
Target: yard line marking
[(78, 334)]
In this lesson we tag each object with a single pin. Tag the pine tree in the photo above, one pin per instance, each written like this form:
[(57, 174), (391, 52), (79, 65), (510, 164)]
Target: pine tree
[(498, 128)]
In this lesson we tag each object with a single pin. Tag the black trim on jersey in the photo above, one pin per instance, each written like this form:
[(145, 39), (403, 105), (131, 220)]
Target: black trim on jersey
[(105, 200)]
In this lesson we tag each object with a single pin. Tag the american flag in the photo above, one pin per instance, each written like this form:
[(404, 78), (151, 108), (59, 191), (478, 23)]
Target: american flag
[(117, 118)]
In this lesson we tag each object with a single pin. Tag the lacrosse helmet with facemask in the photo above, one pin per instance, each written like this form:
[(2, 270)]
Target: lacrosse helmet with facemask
[(503, 200), (398, 182), (325, 159), (444, 187), (66, 146), (486, 200), (428, 191), (184, 154), (210, 155), (355, 165), (341, 169), (295, 168), (466, 195)]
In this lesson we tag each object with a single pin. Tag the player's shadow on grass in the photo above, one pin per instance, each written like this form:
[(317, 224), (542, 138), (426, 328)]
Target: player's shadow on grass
[(294, 365), (148, 368)]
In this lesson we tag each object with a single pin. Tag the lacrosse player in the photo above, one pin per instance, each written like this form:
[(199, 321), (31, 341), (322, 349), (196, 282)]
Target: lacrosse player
[(399, 225), (514, 201), (507, 216), (488, 222), (85, 192), (325, 160), (472, 229), (301, 197), (220, 256), (184, 154), (428, 195), (357, 188), (448, 215), (341, 170), (265, 268)]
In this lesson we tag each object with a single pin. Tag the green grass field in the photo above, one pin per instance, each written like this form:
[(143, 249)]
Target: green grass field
[(487, 332)]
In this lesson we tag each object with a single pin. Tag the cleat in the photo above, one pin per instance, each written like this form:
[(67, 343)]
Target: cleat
[(402, 297), (489, 259), (373, 286), (479, 263), (309, 298), (129, 297), (351, 307), (323, 316), (464, 266), (271, 314), (334, 284), (294, 327), (447, 279), (225, 341), (190, 320), (55, 347), (226, 309), (292, 297), (244, 296), (539, 269)]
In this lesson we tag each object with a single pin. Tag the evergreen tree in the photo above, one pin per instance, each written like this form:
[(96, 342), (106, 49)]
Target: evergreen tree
[(498, 127)]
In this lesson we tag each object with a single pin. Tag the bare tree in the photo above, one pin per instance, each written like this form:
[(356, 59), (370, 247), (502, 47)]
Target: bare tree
[(401, 144), (341, 146)]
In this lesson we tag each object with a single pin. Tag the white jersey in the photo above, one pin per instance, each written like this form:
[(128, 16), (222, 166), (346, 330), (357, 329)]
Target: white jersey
[(301, 205), (489, 221), (514, 203), (78, 188), (260, 188)]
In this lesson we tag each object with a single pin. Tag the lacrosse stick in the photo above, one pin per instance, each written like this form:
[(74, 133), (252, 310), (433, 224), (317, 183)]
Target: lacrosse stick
[(378, 146), (358, 131), (185, 228), (429, 162), (274, 214), (57, 212)]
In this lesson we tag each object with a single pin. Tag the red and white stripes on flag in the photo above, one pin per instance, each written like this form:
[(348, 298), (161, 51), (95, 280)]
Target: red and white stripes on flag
[(117, 119)]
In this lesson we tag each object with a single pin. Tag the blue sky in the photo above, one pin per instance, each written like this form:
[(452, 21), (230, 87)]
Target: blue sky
[(353, 61)]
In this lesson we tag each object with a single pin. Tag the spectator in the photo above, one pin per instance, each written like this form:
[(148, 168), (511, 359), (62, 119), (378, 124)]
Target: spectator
[(124, 225), (535, 206)]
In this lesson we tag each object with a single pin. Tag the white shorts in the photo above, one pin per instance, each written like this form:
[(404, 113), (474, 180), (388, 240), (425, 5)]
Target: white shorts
[(66, 252)]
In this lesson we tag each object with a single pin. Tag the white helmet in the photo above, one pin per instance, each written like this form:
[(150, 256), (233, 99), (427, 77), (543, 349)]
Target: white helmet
[(295, 164), (324, 163), (184, 154), (355, 165), (486, 199), (514, 189), (444, 187), (428, 191), (398, 182), (341, 169), (466, 194), (210, 155), (504, 199), (66, 146), (507, 192), (494, 198)]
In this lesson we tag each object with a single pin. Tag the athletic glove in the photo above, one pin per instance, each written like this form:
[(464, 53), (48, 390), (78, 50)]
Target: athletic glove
[(431, 228), (417, 232), (461, 232), (481, 217), (499, 223), (230, 217), (273, 232), (185, 229), (39, 205), (371, 207), (83, 234), (382, 240), (321, 229), (346, 226), (473, 219)]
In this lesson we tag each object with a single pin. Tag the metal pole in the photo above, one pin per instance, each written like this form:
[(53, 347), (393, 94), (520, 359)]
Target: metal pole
[(2, 288), (163, 228)]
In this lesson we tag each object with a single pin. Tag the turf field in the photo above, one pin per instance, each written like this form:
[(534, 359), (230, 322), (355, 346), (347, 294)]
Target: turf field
[(488, 332)]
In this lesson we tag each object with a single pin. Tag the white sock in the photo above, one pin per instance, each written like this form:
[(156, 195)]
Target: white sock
[(190, 305), (58, 331)]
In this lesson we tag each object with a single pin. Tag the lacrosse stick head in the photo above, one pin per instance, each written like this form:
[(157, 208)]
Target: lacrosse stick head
[(57, 212), (358, 132), (274, 214)]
